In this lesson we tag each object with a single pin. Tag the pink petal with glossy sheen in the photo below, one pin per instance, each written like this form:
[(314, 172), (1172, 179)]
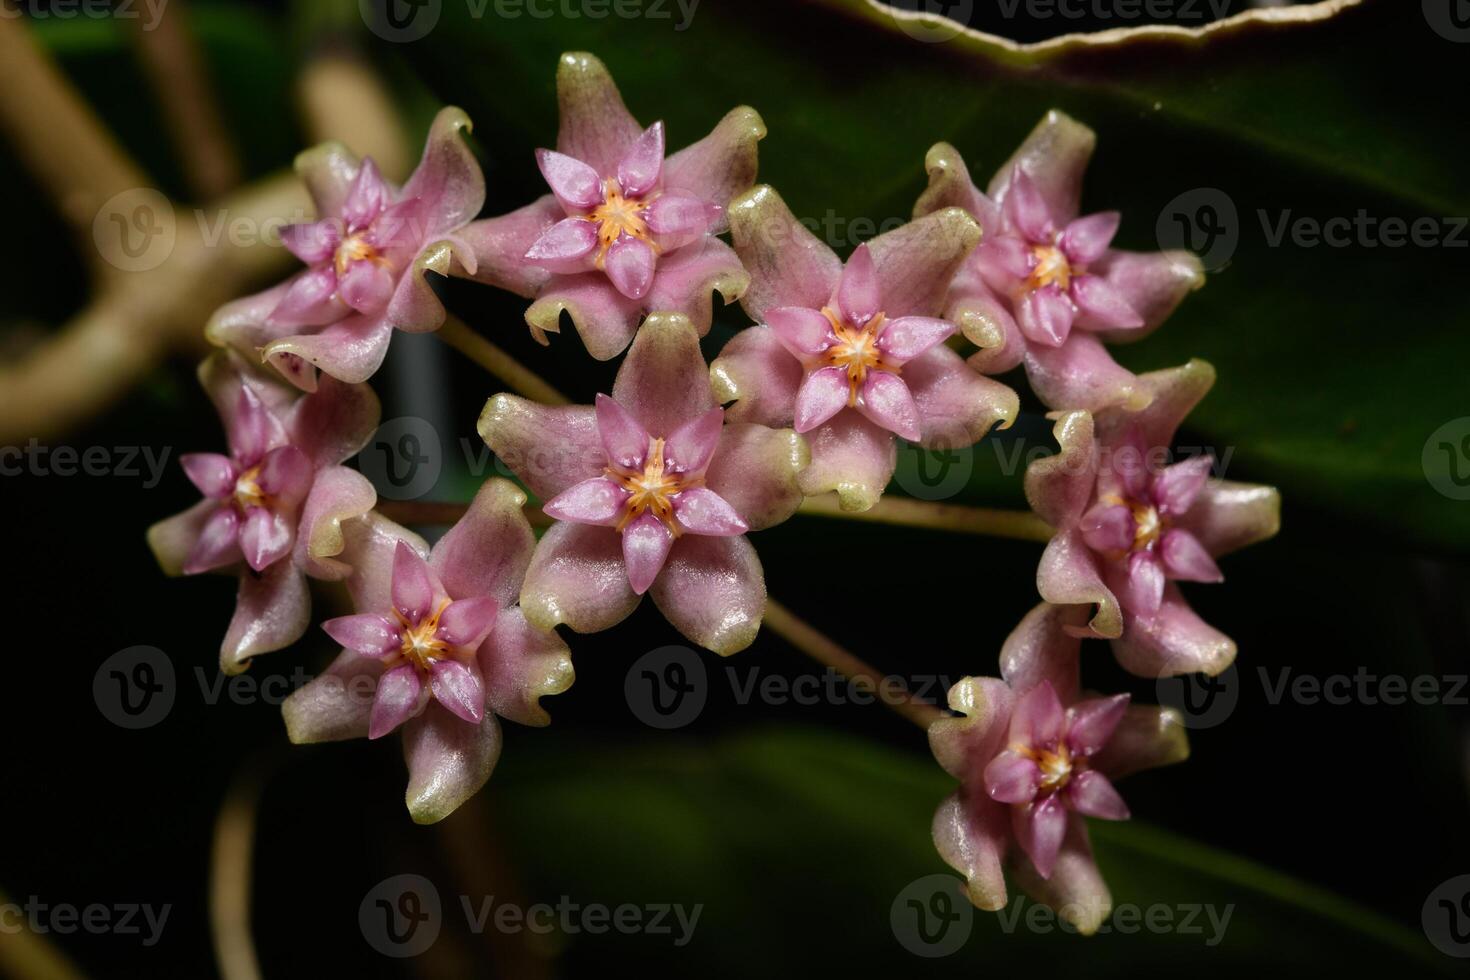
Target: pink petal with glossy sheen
[(595, 501), (285, 476), (1003, 261), (907, 337), (886, 401), (691, 446), (1143, 586), (212, 473), (858, 296), (577, 186), (550, 448), (1040, 828), (1108, 527), (646, 544), (1011, 778), (756, 471), (313, 241), (1103, 306), (265, 537), (702, 511), (448, 759), (1086, 239), (1027, 210), (822, 395), (218, 543), (676, 221), (713, 591), (466, 622), (365, 633), (623, 440), (369, 195), (1045, 316), (565, 247), (310, 300), (852, 456), (1091, 723), (401, 695), (629, 265), (1176, 487), (1038, 717), (578, 577), (1080, 374), (459, 688), (639, 169), (1126, 469), (1092, 794), (1185, 558), (801, 331), (664, 380), (413, 583), (253, 431), (759, 373)]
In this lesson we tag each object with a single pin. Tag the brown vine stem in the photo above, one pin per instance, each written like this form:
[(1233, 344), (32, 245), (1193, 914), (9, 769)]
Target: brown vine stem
[(522, 380), (1021, 525), (821, 648), (28, 955), (230, 879)]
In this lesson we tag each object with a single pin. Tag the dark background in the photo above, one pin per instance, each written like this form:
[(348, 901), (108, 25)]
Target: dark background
[(795, 825)]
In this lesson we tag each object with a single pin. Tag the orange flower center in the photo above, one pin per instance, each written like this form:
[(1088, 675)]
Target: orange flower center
[(617, 216), (1051, 268), (1148, 524), (1056, 766), (856, 350), (650, 489), (420, 646), (247, 489), (355, 248)]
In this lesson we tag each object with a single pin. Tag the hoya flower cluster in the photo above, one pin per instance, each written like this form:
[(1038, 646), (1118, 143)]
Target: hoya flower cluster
[(656, 487)]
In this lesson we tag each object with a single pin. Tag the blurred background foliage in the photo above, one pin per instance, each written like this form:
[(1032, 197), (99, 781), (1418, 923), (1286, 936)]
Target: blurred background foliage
[(796, 826)]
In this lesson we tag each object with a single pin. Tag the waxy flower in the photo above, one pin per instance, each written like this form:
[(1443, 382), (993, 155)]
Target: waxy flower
[(625, 231), (653, 493), (273, 507), (853, 355), (437, 648), (1129, 527), (1034, 756), (368, 255), (1045, 288)]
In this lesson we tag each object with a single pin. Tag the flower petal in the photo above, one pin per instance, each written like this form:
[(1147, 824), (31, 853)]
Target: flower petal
[(265, 537), (367, 198), (1228, 515), (721, 165), (646, 544), (788, 265), (972, 834), (1174, 393), (350, 350), (755, 470), (595, 501), (1012, 778), (950, 186), (520, 664), (1044, 647), (368, 634), (447, 179), (218, 543), (285, 476), (916, 262), (1068, 575), (1091, 723), (466, 622), (371, 548), (687, 278), (401, 695), (459, 689), (1039, 829), (487, 551), (642, 163), (578, 577), (630, 264), (550, 447), (313, 241), (1172, 641), (1186, 559), (664, 380), (1004, 262), (956, 405), (334, 422), (1085, 239), (338, 495), (577, 186), (253, 430), (499, 246), (822, 395), (565, 247), (595, 125), (605, 319), (759, 375), (1045, 316), (983, 705), (1099, 305), (172, 539), (335, 704), (691, 446), (700, 510), (328, 170), (713, 591), (1054, 156), (1142, 585), (852, 456), (272, 611), (1092, 794), (624, 441), (1059, 488), (414, 588), (1176, 487), (1152, 283), (858, 296), (886, 401), (1081, 374), (1148, 736), (1075, 890), (801, 331), (1038, 719), (907, 337), (449, 760), (1108, 527), (676, 221), (1026, 210), (212, 473)]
